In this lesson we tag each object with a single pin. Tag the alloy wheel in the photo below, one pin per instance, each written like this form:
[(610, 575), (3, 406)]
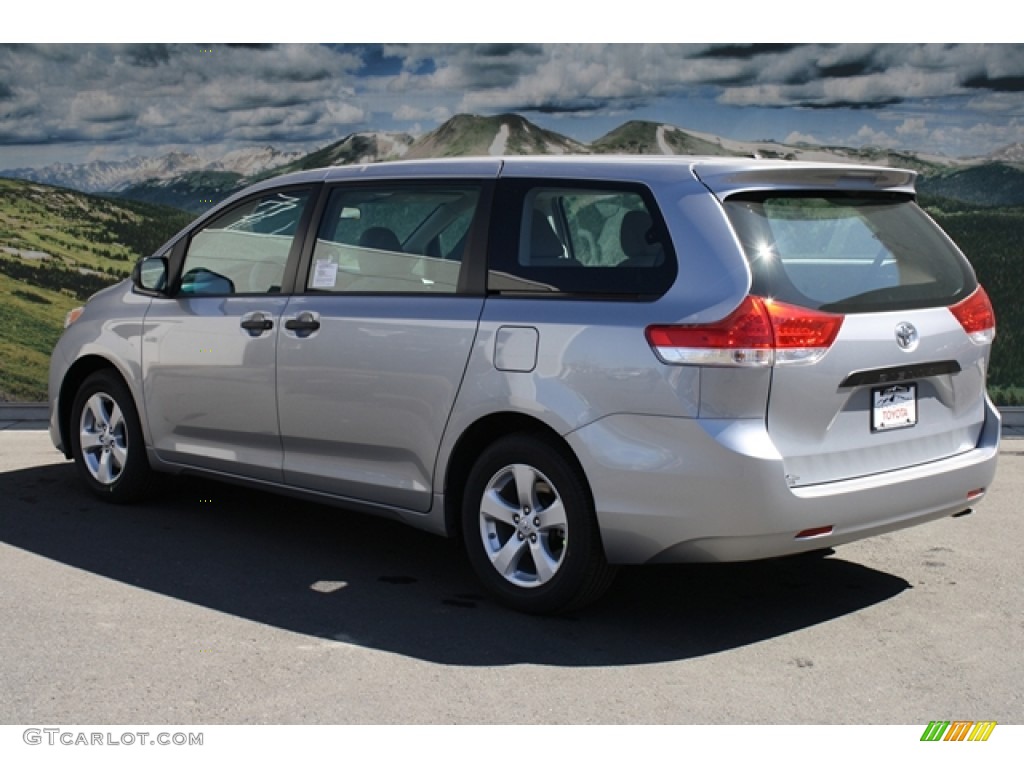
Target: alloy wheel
[(103, 435), (523, 526)]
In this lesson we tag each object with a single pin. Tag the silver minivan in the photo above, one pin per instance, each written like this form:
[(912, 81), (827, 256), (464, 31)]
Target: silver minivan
[(569, 362)]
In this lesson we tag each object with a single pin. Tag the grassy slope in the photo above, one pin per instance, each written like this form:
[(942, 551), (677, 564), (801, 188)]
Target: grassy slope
[(194, 192), (75, 232), (466, 135), (639, 136), (28, 331), (986, 185), (991, 240)]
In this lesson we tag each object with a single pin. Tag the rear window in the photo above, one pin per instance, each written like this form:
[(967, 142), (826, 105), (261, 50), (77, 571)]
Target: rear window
[(848, 253)]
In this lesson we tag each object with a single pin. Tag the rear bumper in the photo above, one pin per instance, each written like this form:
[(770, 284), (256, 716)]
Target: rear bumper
[(691, 490)]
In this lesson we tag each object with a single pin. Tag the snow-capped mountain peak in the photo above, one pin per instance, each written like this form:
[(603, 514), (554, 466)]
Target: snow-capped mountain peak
[(114, 176)]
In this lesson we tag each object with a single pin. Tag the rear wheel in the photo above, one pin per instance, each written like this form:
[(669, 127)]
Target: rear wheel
[(529, 528), (106, 439)]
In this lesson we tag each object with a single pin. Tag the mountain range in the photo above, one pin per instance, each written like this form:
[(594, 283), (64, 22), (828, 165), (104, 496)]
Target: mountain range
[(115, 176), (190, 182)]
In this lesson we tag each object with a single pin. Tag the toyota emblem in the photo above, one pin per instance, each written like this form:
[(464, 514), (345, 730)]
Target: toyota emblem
[(907, 336)]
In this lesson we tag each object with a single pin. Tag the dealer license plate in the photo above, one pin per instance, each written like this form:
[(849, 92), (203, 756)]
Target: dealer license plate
[(893, 407)]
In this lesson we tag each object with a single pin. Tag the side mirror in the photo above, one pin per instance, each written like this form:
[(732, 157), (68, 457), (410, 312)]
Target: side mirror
[(205, 282), (149, 276)]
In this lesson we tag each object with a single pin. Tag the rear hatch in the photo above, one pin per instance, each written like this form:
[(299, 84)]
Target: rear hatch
[(902, 381)]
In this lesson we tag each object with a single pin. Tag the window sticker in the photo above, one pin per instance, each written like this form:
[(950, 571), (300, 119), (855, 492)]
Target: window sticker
[(325, 274)]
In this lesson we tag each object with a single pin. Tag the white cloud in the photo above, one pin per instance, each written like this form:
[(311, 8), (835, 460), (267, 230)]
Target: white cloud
[(155, 117), (868, 136), (959, 97), (342, 112), (99, 106), (912, 128), (406, 112), (996, 103), (796, 137), (764, 95)]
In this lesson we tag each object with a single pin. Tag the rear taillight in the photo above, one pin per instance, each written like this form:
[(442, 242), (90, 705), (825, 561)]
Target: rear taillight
[(760, 332), (976, 315)]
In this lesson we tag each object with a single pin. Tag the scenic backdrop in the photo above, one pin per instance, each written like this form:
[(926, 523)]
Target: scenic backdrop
[(108, 150)]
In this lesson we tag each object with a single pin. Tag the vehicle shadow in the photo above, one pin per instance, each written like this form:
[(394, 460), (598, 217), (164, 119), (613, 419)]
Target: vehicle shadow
[(375, 583)]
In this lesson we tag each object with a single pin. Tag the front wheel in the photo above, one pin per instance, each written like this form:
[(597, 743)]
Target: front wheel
[(529, 528), (106, 439)]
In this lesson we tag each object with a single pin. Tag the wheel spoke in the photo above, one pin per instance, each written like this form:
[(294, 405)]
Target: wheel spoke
[(506, 559), (553, 516), (116, 420), (103, 471), (526, 485), (120, 455), (495, 508), (545, 564), (90, 440), (97, 411)]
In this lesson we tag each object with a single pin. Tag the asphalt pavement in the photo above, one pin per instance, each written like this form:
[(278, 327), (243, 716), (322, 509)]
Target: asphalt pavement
[(214, 604)]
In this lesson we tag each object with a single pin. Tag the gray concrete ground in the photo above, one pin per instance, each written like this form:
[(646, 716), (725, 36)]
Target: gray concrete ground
[(25, 426), (212, 604)]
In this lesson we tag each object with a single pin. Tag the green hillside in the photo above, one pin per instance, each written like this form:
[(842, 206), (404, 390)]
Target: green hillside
[(640, 137), (58, 247), (989, 185), (991, 240), (195, 192), (465, 135)]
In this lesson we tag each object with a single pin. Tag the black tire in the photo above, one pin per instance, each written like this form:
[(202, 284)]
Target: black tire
[(106, 439), (529, 528)]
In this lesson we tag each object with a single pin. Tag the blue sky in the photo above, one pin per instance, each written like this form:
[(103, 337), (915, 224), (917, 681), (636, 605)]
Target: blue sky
[(78, 102)]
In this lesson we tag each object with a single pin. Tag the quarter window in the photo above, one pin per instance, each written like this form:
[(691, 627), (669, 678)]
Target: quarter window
[(384, 239), (245, 250), (600, 239)]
